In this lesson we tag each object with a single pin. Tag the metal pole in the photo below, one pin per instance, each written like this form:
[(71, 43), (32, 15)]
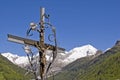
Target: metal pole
[(42, 58)]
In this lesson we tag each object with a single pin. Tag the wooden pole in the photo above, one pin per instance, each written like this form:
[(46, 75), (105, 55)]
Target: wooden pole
[(42, 55)]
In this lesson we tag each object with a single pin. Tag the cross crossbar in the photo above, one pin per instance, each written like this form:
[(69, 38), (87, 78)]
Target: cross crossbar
[(23, 41)]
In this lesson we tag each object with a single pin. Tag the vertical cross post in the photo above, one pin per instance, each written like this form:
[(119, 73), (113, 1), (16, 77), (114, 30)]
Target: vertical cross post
[(42, 58)]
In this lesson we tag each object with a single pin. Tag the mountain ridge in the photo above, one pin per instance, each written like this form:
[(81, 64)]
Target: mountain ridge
[(103, 67), (64, 58)]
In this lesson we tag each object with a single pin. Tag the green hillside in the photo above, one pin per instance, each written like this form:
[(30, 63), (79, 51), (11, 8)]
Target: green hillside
[(9, 71), (104, 67)]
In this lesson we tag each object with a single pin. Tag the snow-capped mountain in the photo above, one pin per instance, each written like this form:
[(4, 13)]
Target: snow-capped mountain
[(61, 60), (18, 60), (80, 52)]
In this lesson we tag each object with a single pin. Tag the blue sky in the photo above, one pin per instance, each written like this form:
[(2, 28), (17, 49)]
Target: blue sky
[(78, 22)]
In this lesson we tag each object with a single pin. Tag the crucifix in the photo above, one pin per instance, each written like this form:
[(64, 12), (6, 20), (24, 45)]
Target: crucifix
[(40, 45)]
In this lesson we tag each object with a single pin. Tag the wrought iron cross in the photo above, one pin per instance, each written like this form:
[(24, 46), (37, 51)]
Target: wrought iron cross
[(40, 45)]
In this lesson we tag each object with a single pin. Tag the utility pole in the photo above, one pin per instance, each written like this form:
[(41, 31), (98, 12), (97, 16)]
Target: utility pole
[(40, 45)]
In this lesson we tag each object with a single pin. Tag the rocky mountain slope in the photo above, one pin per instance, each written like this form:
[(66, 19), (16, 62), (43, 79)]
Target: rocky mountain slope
[(103, 67)]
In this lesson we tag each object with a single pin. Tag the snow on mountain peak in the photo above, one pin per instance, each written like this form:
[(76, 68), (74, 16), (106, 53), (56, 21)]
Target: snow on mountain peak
[(10, 56), (83, 48), (18, 60), (80, 52), (62, 58)]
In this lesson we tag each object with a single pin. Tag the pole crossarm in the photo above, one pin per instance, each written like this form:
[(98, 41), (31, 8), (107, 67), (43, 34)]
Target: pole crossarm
[(23, 41)]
